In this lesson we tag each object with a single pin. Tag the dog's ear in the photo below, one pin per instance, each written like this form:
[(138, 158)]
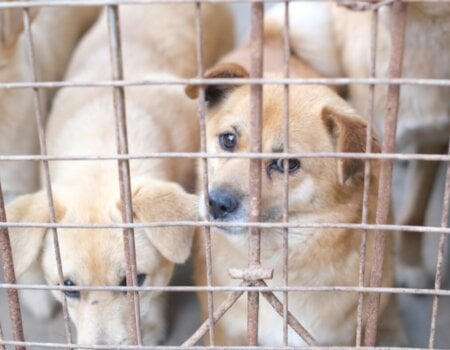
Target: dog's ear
[(11, 25), (167, 201), (348, 134), (215, 93), (26, 243)]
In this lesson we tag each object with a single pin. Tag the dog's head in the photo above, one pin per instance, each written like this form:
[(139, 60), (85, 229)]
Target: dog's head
[(319, 121), (95, 257)]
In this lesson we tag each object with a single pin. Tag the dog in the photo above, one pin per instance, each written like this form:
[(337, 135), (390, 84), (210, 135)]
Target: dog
[(336, 41), (320, 190), (18, 126), (158, 42)]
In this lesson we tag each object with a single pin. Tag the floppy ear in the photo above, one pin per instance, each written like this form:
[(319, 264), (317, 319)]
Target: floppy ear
[(167, 201), (26, 243), (215, 93), (348, 133), (11, 25)]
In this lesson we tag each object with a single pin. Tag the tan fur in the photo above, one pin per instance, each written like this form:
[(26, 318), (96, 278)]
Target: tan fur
[(158, 41), (321, 191), (424, 113), (55, 30)]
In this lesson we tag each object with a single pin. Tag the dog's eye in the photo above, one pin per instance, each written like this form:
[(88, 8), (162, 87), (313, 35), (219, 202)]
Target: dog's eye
[(278, 165), (71, 293), (228, 141), (141, 279)]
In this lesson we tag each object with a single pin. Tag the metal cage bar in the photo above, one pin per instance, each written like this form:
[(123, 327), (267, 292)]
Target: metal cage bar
[(286, 69), (254, 238), (124, 172), (40, 121), (204, 167), (253, 287), (367, 171), (385, 184)]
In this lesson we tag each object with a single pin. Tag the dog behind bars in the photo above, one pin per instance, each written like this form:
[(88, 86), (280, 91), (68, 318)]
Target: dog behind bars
[(159, 42), (336, 41), (18, 126), (321, 190)]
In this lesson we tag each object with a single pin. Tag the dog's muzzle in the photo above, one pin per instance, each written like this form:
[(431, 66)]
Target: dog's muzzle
[(223, 203)]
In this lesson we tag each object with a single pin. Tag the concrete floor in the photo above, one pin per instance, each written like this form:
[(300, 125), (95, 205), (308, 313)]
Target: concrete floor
[(183, 308)]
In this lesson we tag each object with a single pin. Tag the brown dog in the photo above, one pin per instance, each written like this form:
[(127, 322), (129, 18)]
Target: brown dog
[(321, 191), (159, 119), (336, 42)]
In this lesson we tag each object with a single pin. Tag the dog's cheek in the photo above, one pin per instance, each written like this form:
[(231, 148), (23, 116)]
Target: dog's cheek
[(304, 192)]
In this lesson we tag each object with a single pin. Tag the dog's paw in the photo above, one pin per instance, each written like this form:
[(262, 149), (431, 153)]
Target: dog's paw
[(408, 276)]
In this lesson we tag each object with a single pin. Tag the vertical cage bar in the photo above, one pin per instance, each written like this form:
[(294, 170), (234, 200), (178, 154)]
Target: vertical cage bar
[(254, 239), (385, 184), (2, 338), (367, 170), (9, 276), (40, 120), (440, 258), (287, 53), (124, 172), (204, 167)]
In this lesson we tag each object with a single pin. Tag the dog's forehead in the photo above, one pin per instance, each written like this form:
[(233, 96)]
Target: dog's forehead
[(98, 255)]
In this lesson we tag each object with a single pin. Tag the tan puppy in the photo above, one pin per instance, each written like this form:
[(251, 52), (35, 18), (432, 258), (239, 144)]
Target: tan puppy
[(321, 190), (55, 32), (18, 127), (336, 41), (158, 42)]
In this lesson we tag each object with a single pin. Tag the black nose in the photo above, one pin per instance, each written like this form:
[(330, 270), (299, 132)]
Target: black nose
[(222, 202)]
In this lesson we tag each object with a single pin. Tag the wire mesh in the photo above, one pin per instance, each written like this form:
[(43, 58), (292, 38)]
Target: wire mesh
[(252, 283)]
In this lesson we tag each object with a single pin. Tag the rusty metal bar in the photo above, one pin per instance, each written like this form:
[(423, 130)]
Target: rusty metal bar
[(226, 81), (367, 171), (385, 185), (195, 155), (55, 3), (115, 46), (297, 289), (130, 347), (246, 155), (2, 338), (287, 54), (256, 96), (293, 322), (372, 227), (440, 258), (201, 331), (40, 121), (204, 168), (9, 276)]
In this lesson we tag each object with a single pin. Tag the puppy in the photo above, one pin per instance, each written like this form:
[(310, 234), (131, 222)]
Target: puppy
[(158, 42), (18, 127), (320, 190), (336, 42)]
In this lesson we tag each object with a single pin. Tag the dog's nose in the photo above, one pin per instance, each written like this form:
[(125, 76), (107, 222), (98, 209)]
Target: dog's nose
[(222, 202)]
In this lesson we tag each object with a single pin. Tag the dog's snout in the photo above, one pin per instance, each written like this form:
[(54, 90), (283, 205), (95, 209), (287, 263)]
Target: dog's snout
[(222, 202)]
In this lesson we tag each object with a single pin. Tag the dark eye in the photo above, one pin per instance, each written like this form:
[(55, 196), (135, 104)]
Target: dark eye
[(140, 280), (228, 141), (71, 293), (278, 165)]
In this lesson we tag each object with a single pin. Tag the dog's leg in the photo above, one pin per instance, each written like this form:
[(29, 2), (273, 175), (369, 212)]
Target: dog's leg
[(420, 179)]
